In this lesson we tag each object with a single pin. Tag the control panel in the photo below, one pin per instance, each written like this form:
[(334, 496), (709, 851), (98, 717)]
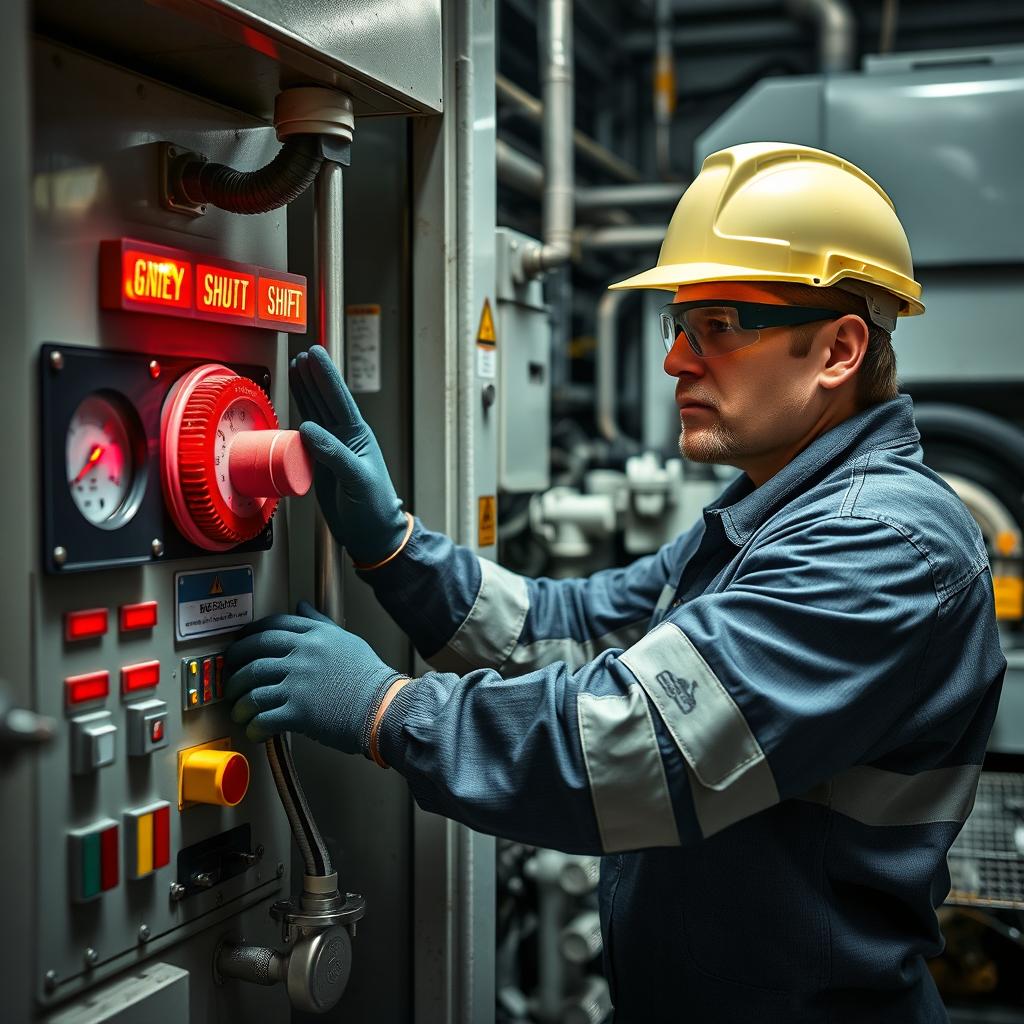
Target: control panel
[(162, 480)]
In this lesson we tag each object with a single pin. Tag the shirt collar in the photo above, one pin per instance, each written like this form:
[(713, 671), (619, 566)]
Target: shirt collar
[(742, 508)]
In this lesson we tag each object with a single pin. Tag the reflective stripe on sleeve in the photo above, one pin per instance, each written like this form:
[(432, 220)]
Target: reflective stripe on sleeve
[(729, 775), (491, 630), (874, 796), (575, 653), (626, 774)]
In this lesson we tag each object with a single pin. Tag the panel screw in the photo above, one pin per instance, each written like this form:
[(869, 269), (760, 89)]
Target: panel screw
[(280, 870), (56, 360), (50, 980), (177, 891), (144, 933), (154, 369), (91, 957), (259, 851), (60, 555), (157, 547), (266, 381), (202, 209)]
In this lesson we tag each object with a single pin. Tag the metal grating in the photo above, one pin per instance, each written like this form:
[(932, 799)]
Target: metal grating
[(986, 863)]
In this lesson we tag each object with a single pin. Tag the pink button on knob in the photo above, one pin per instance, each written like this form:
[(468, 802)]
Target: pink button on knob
[(269, 464)]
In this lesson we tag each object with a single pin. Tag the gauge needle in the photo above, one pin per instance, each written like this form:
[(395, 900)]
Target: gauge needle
[(94, 456)]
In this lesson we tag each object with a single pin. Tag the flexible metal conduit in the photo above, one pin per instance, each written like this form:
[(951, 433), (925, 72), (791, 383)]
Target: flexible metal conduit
[(283, 180), (293, 798), (556, 60), (995, 437), (837, 31)]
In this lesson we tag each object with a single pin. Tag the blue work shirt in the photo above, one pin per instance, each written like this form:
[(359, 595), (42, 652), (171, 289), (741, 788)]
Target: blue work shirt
[(772, 728)]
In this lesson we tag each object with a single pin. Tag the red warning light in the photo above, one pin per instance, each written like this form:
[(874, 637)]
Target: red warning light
[(145, 278), (224, 292), (156, 280), (282, 301)]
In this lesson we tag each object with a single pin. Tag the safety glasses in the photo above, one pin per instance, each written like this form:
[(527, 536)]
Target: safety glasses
[(715, 328)]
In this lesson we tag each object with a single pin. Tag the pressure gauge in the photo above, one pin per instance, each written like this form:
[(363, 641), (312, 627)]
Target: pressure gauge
[(224, 462), (101, 467)]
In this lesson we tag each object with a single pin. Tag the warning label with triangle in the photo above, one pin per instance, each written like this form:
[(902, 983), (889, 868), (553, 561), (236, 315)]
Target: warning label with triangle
[(215, 587), (485, 334), (487, 521)]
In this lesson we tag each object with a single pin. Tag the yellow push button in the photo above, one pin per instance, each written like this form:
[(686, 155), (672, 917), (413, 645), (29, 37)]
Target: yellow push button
[(214, 777)]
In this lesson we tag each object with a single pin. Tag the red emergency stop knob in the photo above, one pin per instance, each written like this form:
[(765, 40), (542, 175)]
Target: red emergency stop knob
[(225, 463)]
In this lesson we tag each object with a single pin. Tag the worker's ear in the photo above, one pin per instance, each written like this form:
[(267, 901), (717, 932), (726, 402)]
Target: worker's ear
[(844, 343)]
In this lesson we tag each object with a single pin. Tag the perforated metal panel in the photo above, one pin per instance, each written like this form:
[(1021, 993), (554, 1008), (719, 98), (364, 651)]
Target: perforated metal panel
[(986, 863)]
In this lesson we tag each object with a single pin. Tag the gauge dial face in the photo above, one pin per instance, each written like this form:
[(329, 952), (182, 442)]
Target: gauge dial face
[(240, 415), (100, 466)]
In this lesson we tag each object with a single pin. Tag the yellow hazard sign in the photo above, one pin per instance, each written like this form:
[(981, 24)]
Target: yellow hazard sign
[(487, 521), (485, 334), (215, 587)]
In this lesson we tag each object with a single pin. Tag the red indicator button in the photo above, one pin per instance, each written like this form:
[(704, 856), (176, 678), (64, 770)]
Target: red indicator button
[(156, 730), (140, 677), (84, 688), (108, 858), (87, 623), (162, 836), (227, 293), (281, 301), (138, 616)]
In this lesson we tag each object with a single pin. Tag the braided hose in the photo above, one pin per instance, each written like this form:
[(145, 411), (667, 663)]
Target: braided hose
[(283, 180), (307, 835), (256, 964)]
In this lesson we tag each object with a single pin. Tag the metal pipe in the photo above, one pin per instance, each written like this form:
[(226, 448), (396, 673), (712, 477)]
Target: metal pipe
[(585, 146), (837, 31), (664, 87), (608, 309), (555, 39), (629, 236), (517, 170), (330, 286), (647, 193)]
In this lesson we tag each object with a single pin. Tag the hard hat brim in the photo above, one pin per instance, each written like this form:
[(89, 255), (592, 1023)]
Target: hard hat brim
[(669, 278)]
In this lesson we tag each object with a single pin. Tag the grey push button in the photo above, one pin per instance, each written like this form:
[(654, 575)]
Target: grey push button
[(147, 727), (92, 742)]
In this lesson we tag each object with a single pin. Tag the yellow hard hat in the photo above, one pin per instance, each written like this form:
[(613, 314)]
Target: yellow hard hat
[(774, 211)]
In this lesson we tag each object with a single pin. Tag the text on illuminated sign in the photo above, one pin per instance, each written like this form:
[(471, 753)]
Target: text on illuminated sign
[(144, 278)]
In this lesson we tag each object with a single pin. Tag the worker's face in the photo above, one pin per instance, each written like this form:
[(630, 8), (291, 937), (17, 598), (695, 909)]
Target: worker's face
[(755, 408)]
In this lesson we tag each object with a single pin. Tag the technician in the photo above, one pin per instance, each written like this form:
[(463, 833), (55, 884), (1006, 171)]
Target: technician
[(773, 727)]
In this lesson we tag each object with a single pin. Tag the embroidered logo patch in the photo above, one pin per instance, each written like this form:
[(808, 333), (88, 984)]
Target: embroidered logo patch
[(680, 690)]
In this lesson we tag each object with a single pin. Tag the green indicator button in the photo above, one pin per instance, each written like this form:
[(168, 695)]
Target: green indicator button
[(90, 865)]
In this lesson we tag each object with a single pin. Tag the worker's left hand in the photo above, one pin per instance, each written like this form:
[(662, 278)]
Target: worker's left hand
[(304, 673)]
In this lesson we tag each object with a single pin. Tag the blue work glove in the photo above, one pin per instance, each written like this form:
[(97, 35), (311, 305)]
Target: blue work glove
[(351, 480), (303, 673)]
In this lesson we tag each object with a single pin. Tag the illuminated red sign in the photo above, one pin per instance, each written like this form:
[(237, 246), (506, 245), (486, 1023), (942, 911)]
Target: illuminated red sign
[(282, 301), (156, 280), (143, 278), (229, 293)]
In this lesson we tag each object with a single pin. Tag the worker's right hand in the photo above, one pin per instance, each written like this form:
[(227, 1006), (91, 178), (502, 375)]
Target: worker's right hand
[(352, 483)]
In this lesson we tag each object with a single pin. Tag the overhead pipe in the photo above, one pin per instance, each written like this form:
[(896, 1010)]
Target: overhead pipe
[(585, 146), (628, 236), (646, 193), (837, 31), (525, 175), (664, 87), (555, 38)]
